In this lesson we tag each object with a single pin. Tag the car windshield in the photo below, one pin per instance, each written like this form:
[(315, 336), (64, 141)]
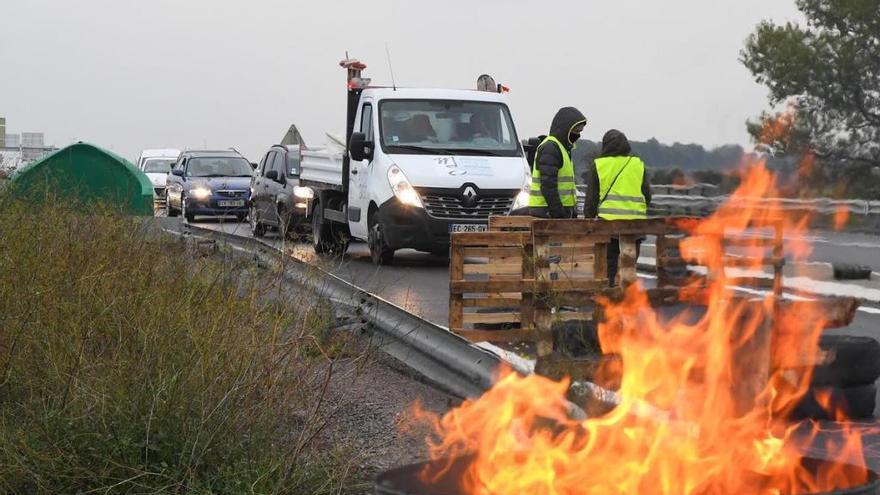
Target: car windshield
[(158, 165), (220, 166), (447, 127)]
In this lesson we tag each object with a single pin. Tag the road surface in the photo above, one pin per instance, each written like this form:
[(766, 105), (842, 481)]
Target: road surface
[(419, 282)]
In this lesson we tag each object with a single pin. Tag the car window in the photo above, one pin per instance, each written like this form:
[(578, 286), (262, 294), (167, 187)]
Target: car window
[(279, 165), (218, 166), (158, 165), (367, 121), (264, 164)]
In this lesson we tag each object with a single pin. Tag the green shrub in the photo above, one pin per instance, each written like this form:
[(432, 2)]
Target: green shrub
[(129, 366)]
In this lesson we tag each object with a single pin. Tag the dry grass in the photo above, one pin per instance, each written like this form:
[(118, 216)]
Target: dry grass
[(128, 366)]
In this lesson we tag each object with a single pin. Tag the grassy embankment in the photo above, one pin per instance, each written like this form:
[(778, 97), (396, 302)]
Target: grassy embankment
[(129, 366)]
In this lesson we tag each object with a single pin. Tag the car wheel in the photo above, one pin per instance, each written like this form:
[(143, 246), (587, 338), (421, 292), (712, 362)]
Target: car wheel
[(380, 253), (257, 228), (169, 211), (183, 210)]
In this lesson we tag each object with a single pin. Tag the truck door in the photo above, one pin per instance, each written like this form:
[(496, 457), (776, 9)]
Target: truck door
[(358, 197)]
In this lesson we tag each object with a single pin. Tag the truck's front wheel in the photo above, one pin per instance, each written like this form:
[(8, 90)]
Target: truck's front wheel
[(379, 250)]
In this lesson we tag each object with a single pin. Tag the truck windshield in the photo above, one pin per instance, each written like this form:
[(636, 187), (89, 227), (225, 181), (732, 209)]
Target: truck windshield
[(447, 127), (218, 167), (158, 165)]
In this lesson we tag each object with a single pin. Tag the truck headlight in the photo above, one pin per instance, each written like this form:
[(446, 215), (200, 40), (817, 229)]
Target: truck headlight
[(403, 190), (522, 199), (303, 192), (200, 192)]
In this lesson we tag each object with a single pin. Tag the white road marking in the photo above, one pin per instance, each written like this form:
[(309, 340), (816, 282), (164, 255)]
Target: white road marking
[(799, 283)]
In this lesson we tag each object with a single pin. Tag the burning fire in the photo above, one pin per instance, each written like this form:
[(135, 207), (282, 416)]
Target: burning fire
[(686, 424)]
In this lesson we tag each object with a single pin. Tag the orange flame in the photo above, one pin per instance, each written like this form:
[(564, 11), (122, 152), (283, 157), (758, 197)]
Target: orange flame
[(841, 217), (689, 421)]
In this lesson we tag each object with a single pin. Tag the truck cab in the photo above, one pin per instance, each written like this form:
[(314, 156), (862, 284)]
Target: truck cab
[(421, 163), (426, 163)]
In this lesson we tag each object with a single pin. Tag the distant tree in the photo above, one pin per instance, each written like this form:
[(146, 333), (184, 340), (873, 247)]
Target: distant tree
[(829, 74), (708, 176)]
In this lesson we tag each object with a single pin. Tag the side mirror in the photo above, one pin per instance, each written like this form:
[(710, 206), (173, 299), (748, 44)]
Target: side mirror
[(253, 166), (178, 172), (359, 148), (272, 175)]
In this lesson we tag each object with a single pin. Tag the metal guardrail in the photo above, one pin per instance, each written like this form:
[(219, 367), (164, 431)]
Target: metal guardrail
[(824, 206), (445, 359), (698, 199)]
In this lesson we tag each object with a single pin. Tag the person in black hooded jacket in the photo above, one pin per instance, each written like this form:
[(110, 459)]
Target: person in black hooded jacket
[(614, 143), (549, 160)]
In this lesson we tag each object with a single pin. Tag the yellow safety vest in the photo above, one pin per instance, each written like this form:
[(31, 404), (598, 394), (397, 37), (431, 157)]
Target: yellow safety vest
[(567, 194), (624, 200)]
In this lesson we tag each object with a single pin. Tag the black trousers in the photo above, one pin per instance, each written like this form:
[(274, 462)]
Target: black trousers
[(614, 256)]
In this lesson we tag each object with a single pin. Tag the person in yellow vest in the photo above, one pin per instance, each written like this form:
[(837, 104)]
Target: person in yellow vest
[(617, 189), (553, 193)]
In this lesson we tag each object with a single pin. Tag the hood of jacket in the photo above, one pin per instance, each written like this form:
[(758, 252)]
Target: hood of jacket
[(615, 143), (566, 118)]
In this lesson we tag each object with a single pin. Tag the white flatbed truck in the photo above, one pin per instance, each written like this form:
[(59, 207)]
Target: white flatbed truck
[(419, 165)]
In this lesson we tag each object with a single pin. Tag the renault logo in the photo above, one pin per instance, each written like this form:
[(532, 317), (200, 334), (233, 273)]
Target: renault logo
[(470, 195)]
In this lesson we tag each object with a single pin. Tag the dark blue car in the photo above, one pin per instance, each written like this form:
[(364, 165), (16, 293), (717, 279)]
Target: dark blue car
[(209, 183)]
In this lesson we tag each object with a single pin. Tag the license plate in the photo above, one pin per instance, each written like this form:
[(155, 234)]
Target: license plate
[(468, 227), (230, 203)]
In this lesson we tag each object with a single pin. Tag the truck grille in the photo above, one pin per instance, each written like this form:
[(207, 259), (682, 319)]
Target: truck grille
[(451, 203)]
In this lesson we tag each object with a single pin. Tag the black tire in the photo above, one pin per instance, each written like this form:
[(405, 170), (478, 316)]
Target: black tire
[(340, 238), (171, 212), (850, 271), (320, 232), (380, 253), (186, 214), (856, 361), (856, 402), (257, 227)]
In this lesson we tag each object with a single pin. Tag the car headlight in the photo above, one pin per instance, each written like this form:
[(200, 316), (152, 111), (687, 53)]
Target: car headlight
[(200, 192), (403, 190), (303, 192)]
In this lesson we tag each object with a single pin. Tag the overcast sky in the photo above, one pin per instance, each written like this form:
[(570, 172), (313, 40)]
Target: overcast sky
[(133, 74)]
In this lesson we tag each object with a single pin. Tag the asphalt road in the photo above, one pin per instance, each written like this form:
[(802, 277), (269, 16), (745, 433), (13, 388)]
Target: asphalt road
[(419, 283)]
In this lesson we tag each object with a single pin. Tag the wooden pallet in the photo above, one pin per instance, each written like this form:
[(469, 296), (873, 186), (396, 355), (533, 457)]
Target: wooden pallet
[(525, 275), (486, 281)]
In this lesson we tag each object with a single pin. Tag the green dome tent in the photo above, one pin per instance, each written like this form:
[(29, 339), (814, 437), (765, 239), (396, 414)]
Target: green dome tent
[(87, 174)]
